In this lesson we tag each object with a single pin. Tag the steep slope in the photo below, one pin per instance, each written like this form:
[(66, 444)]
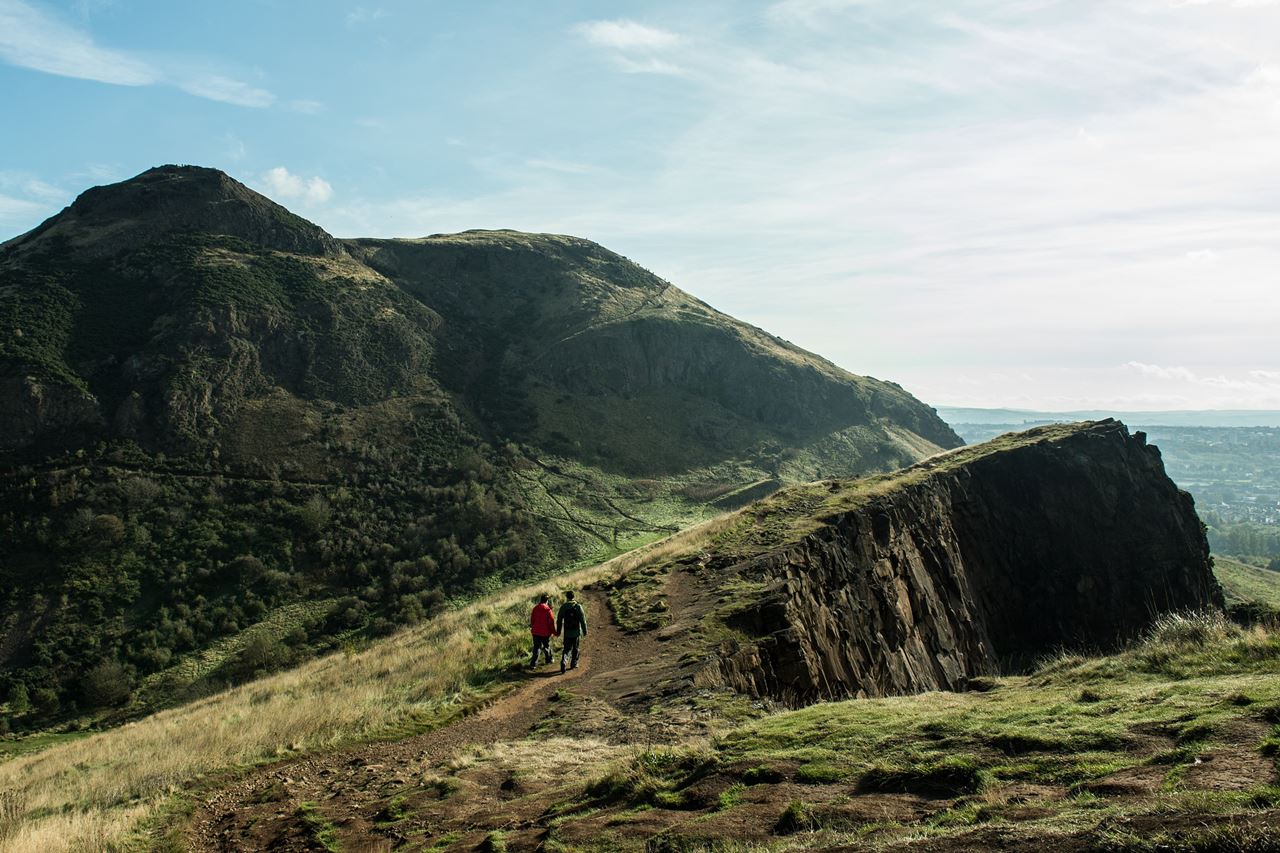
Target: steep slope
[(594, 357), (228, 439)]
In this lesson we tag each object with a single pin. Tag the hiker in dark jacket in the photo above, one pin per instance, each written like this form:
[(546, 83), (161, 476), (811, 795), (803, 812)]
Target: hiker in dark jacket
[(572, 623), (542, 625)]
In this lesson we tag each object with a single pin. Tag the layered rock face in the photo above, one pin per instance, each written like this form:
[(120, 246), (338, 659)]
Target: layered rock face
[(1068, 538)]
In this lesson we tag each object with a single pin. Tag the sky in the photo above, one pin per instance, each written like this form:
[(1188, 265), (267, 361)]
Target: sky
[(1023, 203)]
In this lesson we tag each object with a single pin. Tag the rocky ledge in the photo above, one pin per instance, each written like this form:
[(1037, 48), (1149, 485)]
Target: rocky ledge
[(967, 564)]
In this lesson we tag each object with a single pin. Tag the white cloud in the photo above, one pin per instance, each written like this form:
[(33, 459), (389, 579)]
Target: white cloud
[(216, 87), (650, 65), (307, 107), (625, 34), (365, 15), (811, 13), (280, 183), (18, 213), (1180, 374), (31, 38), (929, 191), (1239, 4), (235, 148)]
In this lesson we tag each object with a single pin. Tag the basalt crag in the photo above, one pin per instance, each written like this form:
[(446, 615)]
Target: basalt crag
[(961, 566)]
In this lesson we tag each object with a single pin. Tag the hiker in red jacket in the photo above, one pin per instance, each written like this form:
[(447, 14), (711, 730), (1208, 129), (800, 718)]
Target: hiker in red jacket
[(542, 624)]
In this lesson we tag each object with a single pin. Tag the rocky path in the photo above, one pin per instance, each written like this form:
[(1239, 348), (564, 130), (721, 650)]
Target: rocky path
[(280, 807)]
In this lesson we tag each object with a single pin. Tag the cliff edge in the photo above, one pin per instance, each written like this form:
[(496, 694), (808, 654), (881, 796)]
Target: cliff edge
[(967, 564)]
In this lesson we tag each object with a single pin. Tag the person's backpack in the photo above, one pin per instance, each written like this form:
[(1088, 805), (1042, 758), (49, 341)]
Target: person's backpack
[(572, 620)]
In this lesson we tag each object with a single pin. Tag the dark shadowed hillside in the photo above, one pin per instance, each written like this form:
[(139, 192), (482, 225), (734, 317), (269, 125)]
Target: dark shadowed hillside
[(228, 439)]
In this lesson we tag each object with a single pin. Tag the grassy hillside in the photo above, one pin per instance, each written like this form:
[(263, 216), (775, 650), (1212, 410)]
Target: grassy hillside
[(1166, 746), (1176, 729), (230, 441), (107, 788), (645, 749), (1243, 583)]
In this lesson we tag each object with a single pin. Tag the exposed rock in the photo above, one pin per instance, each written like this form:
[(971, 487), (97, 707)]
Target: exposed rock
[(33, 409), (1060, 538), (110, 219)]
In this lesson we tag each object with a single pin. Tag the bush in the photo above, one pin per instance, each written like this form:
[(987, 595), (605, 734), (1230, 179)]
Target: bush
[(106, 530), (19, 701), (106, 685), (45, 701), (260, 655)]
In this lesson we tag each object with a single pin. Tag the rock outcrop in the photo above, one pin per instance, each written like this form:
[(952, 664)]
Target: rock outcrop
[(971, 562), (167, 200)]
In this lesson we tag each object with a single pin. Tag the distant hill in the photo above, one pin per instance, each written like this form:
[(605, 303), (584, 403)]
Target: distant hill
[(1020, 418), (228, 439)]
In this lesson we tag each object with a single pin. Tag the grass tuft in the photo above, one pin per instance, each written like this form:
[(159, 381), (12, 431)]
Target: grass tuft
[(798, 816), (950, 777)]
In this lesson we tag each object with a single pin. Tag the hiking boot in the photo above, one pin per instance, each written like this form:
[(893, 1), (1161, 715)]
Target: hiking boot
[(562, 667)]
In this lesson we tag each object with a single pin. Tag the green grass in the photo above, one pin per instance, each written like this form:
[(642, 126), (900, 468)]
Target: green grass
[(1187, 689), (320, 828), (14, 746), (1034, 729), (1243, 583)]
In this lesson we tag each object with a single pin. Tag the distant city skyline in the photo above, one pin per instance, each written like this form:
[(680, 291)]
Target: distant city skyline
[(1015, 203)]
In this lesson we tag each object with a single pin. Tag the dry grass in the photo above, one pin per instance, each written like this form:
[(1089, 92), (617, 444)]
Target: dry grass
[(98, 793)]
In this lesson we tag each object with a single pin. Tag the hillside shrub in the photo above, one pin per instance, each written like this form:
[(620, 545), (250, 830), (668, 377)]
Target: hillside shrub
[(260, 655), (106, 685), (18, 699)]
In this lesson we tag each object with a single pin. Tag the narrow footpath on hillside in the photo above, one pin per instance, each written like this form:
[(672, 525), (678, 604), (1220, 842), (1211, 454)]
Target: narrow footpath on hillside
[(286, 806)]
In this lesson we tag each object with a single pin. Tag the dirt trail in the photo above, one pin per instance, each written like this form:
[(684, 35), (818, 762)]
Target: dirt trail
[(267, 809)]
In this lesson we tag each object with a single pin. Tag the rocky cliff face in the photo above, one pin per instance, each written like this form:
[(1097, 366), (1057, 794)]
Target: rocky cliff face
[(1057, 538)]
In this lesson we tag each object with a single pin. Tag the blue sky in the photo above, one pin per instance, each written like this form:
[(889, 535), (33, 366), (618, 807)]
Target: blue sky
[(1013, 202)]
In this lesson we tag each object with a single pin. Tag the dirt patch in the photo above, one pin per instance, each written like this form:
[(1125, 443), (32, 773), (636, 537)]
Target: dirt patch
[(1134, 782), (1237, 767)]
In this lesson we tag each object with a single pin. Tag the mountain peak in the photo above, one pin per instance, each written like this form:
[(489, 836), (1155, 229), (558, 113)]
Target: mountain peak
[(173, 199)]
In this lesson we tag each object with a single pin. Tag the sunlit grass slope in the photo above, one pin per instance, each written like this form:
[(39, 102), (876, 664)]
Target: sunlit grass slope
[(1040, 756), (99, 792), (1244, 583)]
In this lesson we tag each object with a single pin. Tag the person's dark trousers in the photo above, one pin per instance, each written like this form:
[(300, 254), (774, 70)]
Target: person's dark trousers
[(570, 651), (542, 644)]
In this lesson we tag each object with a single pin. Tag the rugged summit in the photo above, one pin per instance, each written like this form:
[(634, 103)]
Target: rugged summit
[(170, 200), (156, 309), (964, 565), (219, 422)]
